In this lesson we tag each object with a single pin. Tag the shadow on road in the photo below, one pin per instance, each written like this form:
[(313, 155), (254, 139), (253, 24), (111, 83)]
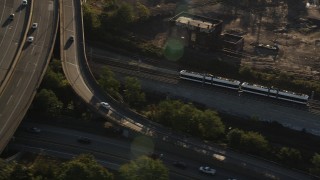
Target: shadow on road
[(7, 22)]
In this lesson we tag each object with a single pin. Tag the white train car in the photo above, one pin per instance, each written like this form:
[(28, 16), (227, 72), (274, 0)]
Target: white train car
[(293, 97), (210, 79)]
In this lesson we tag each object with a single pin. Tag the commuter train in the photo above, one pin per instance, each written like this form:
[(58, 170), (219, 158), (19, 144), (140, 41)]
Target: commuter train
[(244, 87)]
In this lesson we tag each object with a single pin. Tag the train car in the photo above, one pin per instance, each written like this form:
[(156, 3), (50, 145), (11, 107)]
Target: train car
[(293, 97), (210, 79), (274, 93), (257, 89), (222, 82), (192, 76)]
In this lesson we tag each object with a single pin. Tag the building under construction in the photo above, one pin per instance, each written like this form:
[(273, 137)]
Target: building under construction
[(196, 31), (201, 32)]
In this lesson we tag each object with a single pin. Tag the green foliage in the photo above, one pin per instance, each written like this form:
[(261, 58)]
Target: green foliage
[(144, 168), (5, 170), (123, 16), (187, 118), (44, 168), (83, 167), (20, 172), (316, 164), (109, 83), (251, 142), (91, 20), (142, 12), (47, 101), (132, 93), (210, 125), (289, 156)]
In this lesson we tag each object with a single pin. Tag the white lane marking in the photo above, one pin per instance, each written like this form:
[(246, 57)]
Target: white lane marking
[(18, 82), (8, 46), (25, 89), (9, 100)]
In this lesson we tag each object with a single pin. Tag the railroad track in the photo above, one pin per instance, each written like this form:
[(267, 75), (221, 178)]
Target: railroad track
[(134, 68)]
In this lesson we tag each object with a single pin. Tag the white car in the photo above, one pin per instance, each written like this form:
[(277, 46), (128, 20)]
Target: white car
[(105, 105), (207, 170), (30, 39), (34, 25), (24, 2)]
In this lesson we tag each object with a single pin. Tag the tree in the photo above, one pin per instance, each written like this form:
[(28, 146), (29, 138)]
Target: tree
[(289, 156), (47, 101), (109, 83), (20, 172), (251, 142), (316, 164), (142, 11), (234, 138), (5, 170), (91, 20), (83, 167), (44, 168), (210, 125), (144, 168), (133, 95), (123, 16), (254, 142)]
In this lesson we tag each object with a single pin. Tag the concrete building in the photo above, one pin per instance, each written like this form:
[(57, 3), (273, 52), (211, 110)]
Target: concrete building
[(196, 31)]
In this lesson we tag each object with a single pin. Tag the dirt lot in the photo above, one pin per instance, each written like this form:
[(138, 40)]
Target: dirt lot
[(296, 38)]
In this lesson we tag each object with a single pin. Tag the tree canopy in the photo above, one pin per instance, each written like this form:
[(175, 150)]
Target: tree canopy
[(133, 94), (316, 164), (108, 82), (187, 118), (83, 167), (251, 142), (144, 168), (47, 101)]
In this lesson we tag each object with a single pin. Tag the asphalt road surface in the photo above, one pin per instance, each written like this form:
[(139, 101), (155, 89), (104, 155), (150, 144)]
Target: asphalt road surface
[(115, 151), (27, 75)]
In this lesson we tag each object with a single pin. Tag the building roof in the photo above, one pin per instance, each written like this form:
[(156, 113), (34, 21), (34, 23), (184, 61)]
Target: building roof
[(190, 21), (193, 23)]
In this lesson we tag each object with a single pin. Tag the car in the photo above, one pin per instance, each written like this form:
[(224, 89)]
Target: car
[(207, 170), (30, 39), (34, 130), (105, 105), (24, 2), (11, 17), (71, 38), (84, 140), (34, 25), (180, 164)]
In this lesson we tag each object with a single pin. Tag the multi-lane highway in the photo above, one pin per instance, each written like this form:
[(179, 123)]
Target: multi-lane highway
[(12, 34), (29, 70), (113, 151)]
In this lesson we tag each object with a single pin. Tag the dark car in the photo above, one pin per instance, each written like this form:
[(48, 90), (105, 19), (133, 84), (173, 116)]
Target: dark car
[(34, 130), (84, 140), (71, 38), (11, 17), (180, 164)]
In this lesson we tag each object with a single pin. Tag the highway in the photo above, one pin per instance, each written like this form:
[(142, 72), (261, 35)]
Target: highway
[(12, 34), (113, 151), (31, 66)]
